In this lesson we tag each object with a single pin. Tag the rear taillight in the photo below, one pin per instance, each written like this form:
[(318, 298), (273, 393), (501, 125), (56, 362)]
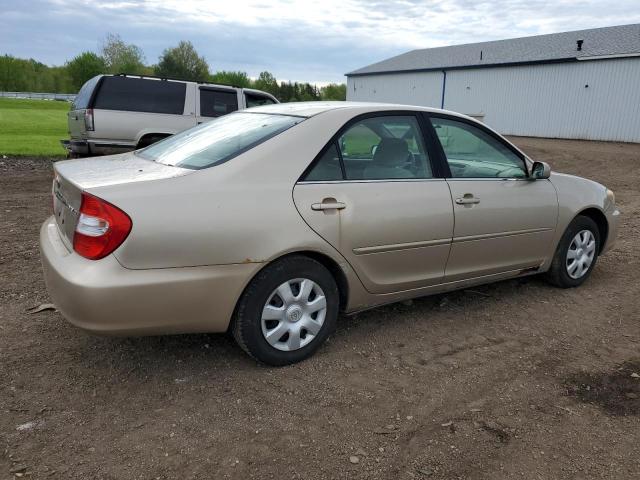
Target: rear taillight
[(88, 119), (101, 228)]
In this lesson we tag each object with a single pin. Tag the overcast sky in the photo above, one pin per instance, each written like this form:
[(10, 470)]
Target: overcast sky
[(316, 41)]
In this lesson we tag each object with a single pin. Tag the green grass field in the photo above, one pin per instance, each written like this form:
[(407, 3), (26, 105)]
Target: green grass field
[(32, 127)]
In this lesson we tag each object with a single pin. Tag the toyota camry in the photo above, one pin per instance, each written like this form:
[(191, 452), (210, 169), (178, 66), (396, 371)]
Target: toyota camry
[(270, 222)]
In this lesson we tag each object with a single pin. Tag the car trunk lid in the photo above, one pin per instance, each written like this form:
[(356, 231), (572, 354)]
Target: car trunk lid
[(72, 177)]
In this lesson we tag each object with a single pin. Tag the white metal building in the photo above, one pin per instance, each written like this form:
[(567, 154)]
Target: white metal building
[(583, 84)]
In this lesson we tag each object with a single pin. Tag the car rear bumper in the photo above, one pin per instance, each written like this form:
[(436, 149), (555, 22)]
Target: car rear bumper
[(104, 297), (77, 147), (96, 147)]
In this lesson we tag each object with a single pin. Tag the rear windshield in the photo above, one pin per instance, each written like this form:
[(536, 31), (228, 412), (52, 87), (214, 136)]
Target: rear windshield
[(141, 95), (84, 95), (219, 140)]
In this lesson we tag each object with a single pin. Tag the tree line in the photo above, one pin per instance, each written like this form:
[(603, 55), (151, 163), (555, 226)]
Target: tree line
[(117, 56)]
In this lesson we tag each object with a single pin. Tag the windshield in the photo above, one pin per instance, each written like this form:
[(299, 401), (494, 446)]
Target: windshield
[(219, 140)]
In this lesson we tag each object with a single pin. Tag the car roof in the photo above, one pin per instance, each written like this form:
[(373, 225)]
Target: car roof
[(309, 109)]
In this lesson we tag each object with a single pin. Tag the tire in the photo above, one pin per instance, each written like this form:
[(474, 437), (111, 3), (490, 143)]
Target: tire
[(304, 281), (562, 272)]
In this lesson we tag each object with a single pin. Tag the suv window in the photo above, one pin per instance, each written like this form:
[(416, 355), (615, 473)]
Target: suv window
[(473, 153), (219, 140), (255, 100), (141, 95), (84, 95), (386, 147), (215, 103)]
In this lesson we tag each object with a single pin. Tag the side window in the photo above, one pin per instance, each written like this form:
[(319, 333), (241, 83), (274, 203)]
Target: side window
[(215, 103), (473, 153), (141, 95), (254, 100), (382, 148), (327, 168)]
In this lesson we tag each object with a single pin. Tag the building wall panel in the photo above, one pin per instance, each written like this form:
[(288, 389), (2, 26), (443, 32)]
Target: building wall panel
[(405, 88), (550, 100)]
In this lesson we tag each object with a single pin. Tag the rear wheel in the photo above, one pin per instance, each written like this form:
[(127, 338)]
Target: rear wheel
[(576, 254), (287, 311)]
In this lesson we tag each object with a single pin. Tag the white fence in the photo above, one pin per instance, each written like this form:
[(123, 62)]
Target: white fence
[(43, 96)]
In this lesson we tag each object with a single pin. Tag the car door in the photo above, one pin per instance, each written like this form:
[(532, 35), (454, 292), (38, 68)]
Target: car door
[(503, 220), (372, 194)]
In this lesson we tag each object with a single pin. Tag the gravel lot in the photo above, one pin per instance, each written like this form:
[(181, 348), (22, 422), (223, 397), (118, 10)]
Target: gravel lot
[(510, 380)]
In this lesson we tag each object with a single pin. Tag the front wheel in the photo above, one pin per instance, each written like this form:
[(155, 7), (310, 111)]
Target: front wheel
[(287, 311), (576, 254)]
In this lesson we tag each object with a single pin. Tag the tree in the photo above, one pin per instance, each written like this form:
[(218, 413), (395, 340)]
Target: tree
[(121, 57), (182, 62), (239, 79), (85, 66), (267, 83), (21, 75), (334, 91)]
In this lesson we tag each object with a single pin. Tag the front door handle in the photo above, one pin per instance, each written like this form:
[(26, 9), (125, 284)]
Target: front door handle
[(467, 199), (328, 204)]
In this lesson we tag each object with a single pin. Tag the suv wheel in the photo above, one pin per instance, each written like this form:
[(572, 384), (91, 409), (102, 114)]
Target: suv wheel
[(287, 311)]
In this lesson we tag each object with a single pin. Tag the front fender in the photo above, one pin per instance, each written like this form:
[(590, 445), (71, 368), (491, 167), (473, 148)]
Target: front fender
[(575, 195)]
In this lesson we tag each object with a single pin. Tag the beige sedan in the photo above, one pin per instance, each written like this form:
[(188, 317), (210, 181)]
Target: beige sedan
[(271, 221)]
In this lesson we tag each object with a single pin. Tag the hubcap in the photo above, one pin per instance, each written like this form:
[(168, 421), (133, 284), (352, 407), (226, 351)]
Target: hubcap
[(581, 253), (294, 314)]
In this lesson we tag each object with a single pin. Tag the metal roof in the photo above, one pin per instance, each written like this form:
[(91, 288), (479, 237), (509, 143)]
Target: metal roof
[(555, 47)]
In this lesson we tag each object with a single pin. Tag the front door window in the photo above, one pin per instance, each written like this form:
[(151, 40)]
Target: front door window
[(473, 153)]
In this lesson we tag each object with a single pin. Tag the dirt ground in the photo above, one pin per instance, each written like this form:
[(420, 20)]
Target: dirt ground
[(511, 380)]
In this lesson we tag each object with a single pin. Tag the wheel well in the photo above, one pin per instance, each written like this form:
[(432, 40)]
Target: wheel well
[(330, 264), (601, 221), (336, 272), (149, 138)]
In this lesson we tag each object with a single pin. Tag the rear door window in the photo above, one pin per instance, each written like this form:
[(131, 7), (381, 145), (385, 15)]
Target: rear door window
[(386, 147), (141, 95), (215, 103), (255, 100), (327, 168)]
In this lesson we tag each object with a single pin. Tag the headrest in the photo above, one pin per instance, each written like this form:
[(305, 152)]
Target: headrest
[(391, 151)]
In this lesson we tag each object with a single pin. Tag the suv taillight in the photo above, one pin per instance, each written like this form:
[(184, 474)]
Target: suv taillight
[(88, 119), (101, 228)]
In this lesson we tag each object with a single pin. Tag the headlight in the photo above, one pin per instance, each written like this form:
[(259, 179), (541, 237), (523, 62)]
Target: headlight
[(611, 198)]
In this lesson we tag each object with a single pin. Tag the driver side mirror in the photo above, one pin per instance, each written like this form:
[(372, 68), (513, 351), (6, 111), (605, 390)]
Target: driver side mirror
[(540, 170)]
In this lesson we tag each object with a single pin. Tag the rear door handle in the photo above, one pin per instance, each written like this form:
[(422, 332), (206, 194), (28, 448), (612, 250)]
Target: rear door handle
[(468, 199), (328, 206)]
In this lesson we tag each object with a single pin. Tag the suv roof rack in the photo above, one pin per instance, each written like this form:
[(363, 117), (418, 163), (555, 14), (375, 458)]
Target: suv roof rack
[(176, 79)]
